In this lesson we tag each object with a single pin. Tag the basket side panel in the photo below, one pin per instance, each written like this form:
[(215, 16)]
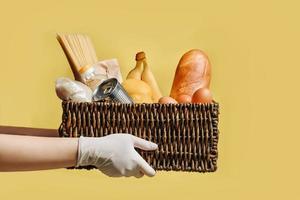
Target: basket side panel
[(187, 134)]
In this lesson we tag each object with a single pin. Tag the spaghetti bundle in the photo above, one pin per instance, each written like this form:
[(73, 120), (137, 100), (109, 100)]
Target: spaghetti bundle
[(79, 51)]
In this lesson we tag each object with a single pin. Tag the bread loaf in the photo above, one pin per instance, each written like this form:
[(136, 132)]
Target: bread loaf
[(193, 72)]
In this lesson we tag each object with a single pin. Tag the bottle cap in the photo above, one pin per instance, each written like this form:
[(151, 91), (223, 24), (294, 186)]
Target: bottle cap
[(140, 56)]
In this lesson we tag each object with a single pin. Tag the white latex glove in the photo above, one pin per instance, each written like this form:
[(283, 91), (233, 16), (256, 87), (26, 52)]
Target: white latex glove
[(115, 156)]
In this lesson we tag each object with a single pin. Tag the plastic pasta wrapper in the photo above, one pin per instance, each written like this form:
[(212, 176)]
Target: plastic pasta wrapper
[(69, 90), (94, 75)]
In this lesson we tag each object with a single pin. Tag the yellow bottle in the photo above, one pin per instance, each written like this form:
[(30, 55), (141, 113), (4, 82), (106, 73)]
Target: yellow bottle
[(149, 78)]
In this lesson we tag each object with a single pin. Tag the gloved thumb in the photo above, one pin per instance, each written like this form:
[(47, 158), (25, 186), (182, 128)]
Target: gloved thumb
[(143, 144)]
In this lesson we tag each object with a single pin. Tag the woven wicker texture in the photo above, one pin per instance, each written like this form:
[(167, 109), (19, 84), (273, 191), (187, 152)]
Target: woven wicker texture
[(186, 134)]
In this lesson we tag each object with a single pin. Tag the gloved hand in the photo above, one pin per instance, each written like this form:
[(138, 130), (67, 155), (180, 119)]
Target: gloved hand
[(115, 156)]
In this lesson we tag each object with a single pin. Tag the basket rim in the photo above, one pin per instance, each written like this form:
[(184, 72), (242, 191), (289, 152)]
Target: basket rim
[(116, 103)]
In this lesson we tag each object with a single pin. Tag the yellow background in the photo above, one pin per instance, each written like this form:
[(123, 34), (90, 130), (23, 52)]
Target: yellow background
[(254, 51)]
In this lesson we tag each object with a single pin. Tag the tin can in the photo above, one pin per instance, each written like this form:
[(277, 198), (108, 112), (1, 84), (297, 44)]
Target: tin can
[(111, 89)]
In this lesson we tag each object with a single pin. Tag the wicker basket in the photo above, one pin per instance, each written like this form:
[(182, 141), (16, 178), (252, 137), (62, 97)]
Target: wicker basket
[(186, 134)]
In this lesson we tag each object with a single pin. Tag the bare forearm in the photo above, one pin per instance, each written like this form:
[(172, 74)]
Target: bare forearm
[(21, 153)]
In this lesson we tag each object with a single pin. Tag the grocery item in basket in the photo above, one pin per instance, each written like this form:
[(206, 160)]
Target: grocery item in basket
[(79, 51), (112, 68), (193, 72), (111, 89), (138, 90), (140, 82), (94, 75), (136, 73), (202, 95), (183, 98), (149, 78), (67, 89), (167, 100)]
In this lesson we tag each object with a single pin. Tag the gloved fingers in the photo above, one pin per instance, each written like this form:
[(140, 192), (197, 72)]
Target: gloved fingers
[(143, 144), (143, 166), (111, 172), (123, 173), (132, 172)]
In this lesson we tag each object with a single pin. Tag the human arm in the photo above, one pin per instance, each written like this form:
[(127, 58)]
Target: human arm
[(114, 155), (24, 153)]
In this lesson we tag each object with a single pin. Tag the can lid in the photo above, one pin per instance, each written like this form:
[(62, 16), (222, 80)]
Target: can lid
[(105, 89)]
